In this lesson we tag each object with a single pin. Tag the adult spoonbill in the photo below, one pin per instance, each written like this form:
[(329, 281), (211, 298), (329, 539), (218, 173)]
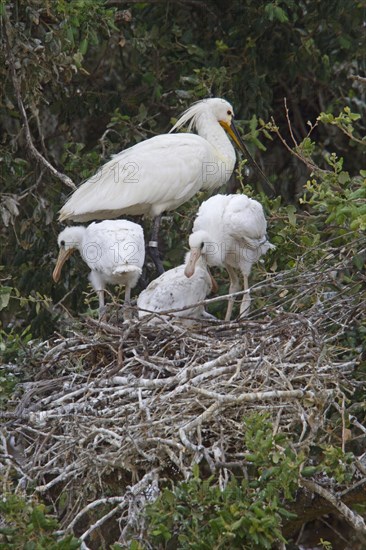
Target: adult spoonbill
[(229, 231), (173, 290), (113, 249), (161, 173)]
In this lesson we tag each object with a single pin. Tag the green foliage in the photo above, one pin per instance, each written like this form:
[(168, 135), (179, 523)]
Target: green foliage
[(245, 514), (28, 526), (344, 121), (325, 544), (14, 345), (7, 384), (13, 342), (334, 192), (337, 464), (5, 292), (344, 202)]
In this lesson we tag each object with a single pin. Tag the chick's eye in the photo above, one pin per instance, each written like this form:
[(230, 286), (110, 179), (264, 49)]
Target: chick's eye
[(62, 243), (202, 245)]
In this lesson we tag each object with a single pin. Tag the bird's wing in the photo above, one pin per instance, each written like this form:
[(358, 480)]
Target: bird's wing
[(165, 170), (210, 216), (113, 246), (245, 221), (173, 290)]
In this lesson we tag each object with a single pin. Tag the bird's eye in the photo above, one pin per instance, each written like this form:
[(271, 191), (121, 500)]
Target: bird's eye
[(62, 243), (202, 245), (229, 113)]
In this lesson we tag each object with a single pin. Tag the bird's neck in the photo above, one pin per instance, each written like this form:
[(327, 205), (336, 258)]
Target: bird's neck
[(208, 128)]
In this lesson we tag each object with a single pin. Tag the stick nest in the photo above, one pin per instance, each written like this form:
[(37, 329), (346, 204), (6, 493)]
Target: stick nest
[(111, 410)]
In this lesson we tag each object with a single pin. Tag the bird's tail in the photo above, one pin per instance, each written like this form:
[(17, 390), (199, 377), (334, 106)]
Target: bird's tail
[(127, 268), (261, 246)]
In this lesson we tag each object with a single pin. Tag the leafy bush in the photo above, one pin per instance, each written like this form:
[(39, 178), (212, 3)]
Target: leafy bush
[(198, 514), (28, 526)]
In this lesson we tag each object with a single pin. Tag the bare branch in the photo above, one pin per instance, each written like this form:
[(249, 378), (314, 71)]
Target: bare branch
[(124, 400), (358, 78), (17, 90), (353, 518)]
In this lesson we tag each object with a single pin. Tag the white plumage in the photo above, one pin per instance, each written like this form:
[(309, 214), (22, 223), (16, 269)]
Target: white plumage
[(163, 172), (113, 249), (229, 231), (173, 290)]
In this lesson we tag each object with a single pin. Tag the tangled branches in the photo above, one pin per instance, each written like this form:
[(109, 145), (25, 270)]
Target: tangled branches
[(115, 409)]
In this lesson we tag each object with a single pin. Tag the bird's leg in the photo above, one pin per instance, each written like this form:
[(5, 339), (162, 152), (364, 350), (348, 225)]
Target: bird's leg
[(245, 303), (234, 287), (153, 245), (101, 304), (127, 312)]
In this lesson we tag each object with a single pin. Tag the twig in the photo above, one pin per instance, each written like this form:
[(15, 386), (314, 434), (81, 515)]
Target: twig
[(120, 500), (257, 396), (358, 78), (17, 90), (295, 151)]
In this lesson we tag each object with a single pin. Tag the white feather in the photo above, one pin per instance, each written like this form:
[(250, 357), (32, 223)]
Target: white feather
[(230, 231), (173, 290), (114, 250), (161, 173)]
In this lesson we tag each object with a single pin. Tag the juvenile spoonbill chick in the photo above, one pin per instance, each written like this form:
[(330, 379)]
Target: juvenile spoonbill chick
[(229, 231), (173, 290), (114, 250)]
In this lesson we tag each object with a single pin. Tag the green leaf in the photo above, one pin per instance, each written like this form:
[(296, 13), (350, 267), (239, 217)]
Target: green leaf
[(83, 48), (286, 513), (276, 457), (5, 292), (291, 213), (308, 471), (269, 11), (359, 261), (280, 14), (38, 517), (258, 143), (358, 194), (343, 177)]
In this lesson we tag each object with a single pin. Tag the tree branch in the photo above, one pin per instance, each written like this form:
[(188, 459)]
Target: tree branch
[(355, 520), (358, 78), (17, 90)]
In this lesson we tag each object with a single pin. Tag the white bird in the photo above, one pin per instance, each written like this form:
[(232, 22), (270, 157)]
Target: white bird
[(161, 173), (113, 249), (229, 231), (173, 290)]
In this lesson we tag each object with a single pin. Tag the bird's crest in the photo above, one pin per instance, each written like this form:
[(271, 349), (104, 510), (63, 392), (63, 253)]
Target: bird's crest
[(191, 116)]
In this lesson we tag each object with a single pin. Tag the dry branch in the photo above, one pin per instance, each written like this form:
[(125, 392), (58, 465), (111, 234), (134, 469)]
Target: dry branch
[(353, 518), (111, 407)]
